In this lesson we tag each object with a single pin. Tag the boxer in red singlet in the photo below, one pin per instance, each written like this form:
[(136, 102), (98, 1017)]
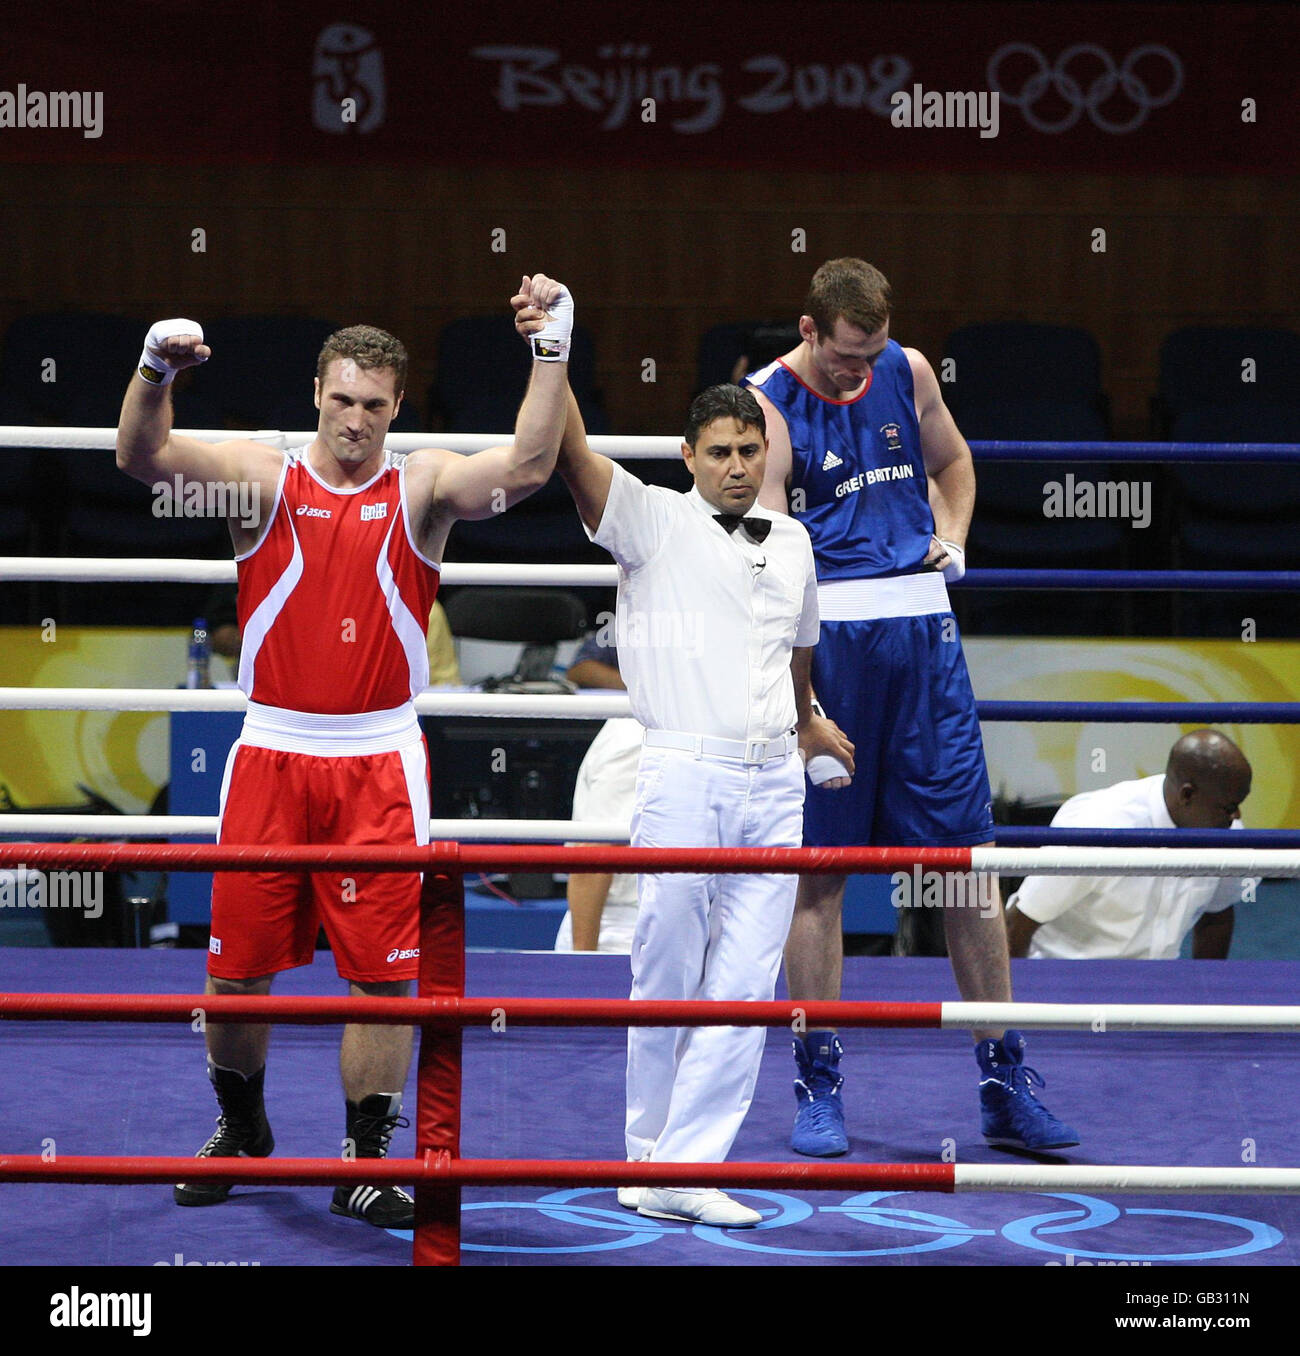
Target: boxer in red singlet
[(338, 567)]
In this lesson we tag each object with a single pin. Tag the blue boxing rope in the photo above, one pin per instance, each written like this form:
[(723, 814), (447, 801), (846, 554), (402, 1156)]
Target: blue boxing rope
[(1036, 836), (1157, 713), (1030, 449), (1188, 581)]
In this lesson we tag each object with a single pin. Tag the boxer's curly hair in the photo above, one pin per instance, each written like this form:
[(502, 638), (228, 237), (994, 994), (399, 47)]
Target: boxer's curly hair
[(850, 289), (369, 348), (719, 402)]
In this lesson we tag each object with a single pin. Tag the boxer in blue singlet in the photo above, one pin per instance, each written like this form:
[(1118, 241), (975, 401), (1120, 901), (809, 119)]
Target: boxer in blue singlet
[(863, 450)]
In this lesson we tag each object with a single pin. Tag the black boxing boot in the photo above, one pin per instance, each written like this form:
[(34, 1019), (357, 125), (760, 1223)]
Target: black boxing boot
[(242, 1129), (370, 1127)]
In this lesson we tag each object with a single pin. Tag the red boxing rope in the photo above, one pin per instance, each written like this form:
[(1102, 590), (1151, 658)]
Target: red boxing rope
[(452, 1013), (442, 1167), (460, 857)]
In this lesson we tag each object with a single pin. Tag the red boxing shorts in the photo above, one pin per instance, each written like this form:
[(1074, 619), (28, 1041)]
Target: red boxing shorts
[(265, 922)]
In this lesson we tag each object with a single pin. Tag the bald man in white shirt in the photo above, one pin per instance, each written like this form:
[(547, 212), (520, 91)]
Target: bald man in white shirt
[(715, 623), (1141, 917)]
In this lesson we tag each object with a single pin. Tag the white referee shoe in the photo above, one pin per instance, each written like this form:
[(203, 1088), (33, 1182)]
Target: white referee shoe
[(698, 1205)]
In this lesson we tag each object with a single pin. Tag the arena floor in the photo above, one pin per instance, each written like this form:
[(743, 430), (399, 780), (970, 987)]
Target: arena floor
[(1152, 1099)]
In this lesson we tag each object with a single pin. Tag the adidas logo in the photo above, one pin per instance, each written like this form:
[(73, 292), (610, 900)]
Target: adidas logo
[(831, 461)]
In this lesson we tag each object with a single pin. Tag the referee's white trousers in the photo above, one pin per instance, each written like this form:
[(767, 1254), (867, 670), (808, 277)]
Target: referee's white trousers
[(698, 936)]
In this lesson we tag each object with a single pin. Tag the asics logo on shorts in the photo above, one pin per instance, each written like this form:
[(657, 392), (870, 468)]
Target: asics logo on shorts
[(397, 954), (306, 511)]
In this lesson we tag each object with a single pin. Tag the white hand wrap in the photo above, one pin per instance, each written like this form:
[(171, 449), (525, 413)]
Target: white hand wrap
[(823, 768), (956, 567), (551, 343), (155, 360)]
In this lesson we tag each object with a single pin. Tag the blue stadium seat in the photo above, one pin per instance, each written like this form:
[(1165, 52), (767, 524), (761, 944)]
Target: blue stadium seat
[(1020, 382), (1202, 366), (1028, 366)]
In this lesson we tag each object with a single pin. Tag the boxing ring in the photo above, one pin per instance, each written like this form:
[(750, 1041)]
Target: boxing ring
[(451, 1020)]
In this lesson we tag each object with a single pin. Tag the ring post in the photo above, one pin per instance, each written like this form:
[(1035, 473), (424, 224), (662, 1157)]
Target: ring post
[(438, 1087)]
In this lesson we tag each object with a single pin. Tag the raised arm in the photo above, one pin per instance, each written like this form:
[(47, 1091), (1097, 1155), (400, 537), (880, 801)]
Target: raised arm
[(586, 473), (490, 482), (150, 451)]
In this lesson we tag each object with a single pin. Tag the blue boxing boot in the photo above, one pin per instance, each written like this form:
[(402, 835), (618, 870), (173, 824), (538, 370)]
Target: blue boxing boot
[(1010, 1115), (819, 1121)]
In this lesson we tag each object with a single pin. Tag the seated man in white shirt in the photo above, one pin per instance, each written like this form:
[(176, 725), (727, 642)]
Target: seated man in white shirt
[(602, 905), (715, 623), (1141, 917)]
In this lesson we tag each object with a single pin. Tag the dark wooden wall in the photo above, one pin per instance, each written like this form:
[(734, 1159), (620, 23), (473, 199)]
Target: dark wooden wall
[(654, 258)]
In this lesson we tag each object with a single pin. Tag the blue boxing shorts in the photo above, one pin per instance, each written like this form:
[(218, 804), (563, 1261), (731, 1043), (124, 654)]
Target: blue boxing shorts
[(901, 693)]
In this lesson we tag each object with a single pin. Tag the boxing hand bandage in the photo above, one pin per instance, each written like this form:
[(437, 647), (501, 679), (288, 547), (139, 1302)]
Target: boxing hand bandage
[(956, 566), (551, 343), (823, 768), (156, 367)]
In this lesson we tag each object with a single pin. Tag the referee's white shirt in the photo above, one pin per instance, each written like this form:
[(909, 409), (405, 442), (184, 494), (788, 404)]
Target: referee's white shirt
[(706, 620), (1119, 917)]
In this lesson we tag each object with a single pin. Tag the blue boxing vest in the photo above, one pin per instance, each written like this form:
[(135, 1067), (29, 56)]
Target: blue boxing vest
[(858, 465)]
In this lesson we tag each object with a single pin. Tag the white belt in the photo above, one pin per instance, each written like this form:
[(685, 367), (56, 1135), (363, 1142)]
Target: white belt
[(901, 595), (747, 750), (329, 735)]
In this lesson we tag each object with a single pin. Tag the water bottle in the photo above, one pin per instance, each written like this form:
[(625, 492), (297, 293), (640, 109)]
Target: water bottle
[(198, 670)]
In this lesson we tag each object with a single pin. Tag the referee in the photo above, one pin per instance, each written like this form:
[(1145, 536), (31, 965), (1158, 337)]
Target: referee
[(715, 623)]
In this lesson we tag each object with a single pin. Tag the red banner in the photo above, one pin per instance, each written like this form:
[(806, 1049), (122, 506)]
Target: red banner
[(833, 86)]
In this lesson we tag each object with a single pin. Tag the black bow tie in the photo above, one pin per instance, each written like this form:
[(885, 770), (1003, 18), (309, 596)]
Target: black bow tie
[(758, 528)]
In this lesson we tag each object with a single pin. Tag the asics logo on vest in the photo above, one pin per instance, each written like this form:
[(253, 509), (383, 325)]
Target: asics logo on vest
[(397, 954), (306, 511), (1108, 83)]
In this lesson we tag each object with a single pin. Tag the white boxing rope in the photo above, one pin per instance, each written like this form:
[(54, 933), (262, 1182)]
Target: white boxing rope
[(105, 439), (176, 826), (1135, 1178), (629, 447), (1093, 861), (94, 570), (1107, 1018), (560, 705)]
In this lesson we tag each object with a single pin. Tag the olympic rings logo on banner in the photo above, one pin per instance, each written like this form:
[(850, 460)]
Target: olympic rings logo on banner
[(940, 1232), (1098, 92)]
